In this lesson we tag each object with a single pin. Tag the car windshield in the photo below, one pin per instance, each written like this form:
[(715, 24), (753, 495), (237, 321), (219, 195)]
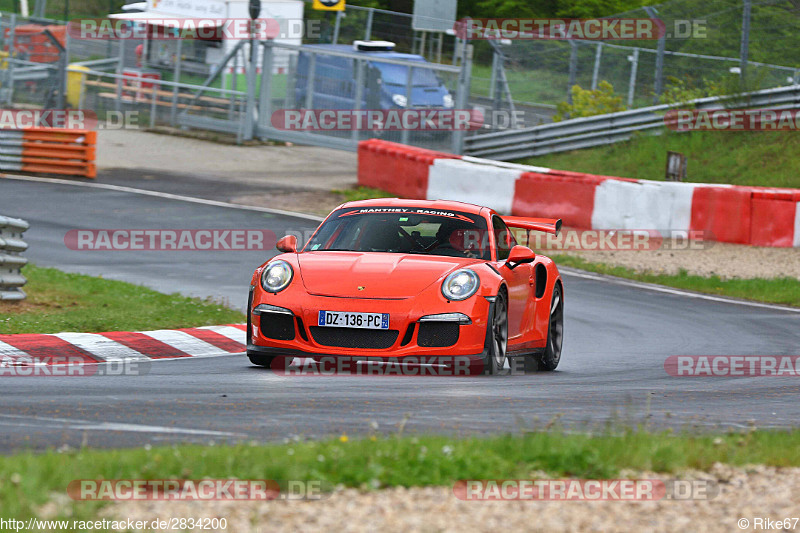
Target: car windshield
[(408, 230), (398, 75)]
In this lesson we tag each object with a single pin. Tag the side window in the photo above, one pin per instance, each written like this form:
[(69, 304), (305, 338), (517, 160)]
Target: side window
[(504, 238)]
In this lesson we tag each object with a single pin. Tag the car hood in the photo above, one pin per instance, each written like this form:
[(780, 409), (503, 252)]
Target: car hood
[(380, 275)]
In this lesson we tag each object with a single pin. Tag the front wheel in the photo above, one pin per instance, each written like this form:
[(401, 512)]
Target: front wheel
[(551, 356), (494, 354)]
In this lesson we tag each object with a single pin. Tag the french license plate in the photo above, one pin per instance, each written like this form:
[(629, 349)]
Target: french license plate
[(339, 319)]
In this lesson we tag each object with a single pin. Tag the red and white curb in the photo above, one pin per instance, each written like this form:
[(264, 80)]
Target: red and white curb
[(92, 348)]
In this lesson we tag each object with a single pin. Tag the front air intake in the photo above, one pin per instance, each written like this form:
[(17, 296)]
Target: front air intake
[(375, 339), (434, 334), (278, 326)]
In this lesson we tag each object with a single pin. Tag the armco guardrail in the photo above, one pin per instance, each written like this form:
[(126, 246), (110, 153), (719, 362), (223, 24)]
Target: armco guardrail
[(611, 128), (11, 246), (49, 151), (759, 216)]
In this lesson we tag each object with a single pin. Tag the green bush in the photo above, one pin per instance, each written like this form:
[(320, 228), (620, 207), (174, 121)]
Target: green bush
[(587, 103)]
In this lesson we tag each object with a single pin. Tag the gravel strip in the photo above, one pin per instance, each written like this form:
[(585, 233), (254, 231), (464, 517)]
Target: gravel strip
[(744, 493), (716, 259)]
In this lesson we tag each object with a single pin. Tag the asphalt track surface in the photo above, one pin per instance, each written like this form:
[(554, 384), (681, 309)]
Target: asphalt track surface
[(617, 337)]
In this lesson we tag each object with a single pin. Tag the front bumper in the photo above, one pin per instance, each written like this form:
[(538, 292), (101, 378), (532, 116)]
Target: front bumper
[(287, 328)]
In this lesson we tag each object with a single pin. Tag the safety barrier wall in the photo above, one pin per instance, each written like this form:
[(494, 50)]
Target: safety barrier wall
[(11, 246), (726, 213), (49, 151), (401, 169)]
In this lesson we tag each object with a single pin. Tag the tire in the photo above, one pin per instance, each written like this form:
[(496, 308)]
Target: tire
[(261, 360), (494, 353), (551, 356)]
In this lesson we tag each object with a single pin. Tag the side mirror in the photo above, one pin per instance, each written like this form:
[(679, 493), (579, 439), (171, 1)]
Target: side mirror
[(519, 255), (287, 244)]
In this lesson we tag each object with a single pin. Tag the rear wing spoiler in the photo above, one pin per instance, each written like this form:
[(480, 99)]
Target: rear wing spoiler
[(547, 225)]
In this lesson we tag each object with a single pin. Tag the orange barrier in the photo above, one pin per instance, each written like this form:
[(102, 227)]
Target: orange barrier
[(32, 44), (49, 151)]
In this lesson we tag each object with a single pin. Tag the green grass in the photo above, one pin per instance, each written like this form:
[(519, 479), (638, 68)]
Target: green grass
[(362, 193), (225, 81), (785, 291), (30, 479), (535, 86), (58, 301), (739, 158)]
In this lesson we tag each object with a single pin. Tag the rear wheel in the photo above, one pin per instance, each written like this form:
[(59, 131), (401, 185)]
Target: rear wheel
[(494, 354), (551, 356)]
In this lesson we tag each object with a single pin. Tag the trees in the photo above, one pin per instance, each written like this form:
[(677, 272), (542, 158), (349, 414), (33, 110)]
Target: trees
[(522, 8)]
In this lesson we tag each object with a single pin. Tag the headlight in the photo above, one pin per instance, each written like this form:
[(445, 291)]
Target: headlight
[(400, 100), (276, 276), (448, 101), (460, 285)]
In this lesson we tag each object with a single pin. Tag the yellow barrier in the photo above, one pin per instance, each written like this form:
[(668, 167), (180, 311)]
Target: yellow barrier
[(75, 79)]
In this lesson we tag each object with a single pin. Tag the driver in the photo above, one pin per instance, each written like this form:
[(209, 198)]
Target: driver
[(458, 237), (381, 235)]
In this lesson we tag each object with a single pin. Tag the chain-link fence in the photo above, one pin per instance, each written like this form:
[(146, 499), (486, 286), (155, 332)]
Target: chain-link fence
[(131, 101), (699, 56), (333, 83), (360, 23), (32, 62)]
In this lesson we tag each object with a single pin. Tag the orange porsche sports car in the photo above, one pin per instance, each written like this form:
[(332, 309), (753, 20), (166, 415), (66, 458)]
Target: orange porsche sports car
[(402, 279)]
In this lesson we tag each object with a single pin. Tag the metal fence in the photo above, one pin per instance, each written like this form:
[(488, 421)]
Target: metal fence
[(125, 100), (702, 52), (338, 78), (530, 77), (705, 52), (11, 262), (33, 63), (356, 22), (611, 128), (317, 78)]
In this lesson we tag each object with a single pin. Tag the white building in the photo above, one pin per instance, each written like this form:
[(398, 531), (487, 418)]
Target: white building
[(161, 52)]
